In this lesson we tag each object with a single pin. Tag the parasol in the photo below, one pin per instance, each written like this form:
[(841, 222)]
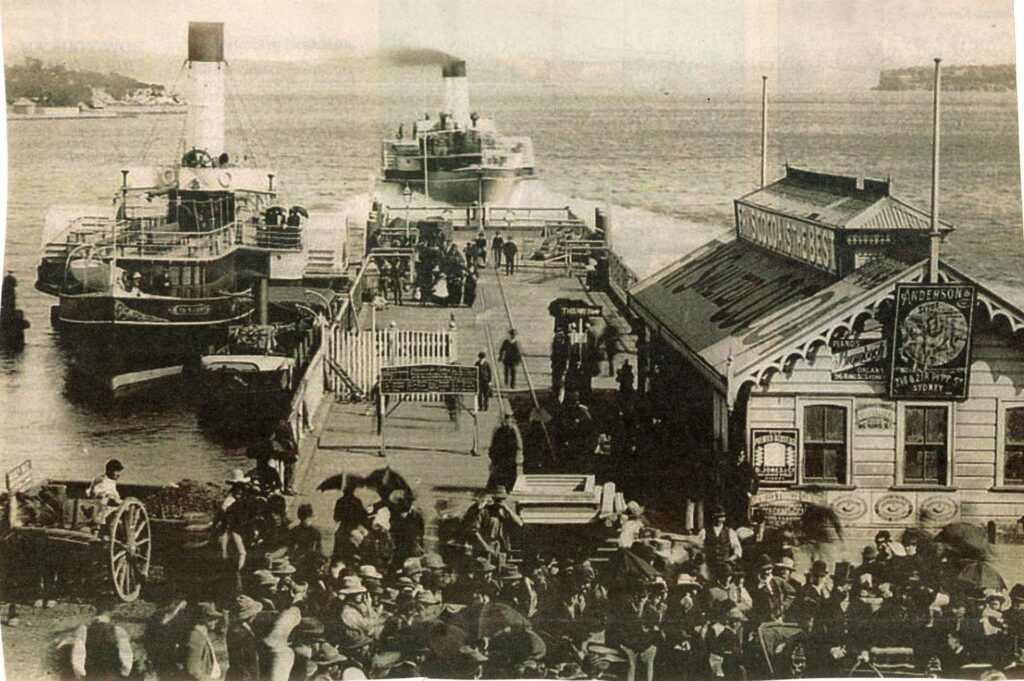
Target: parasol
[(300, 210), (385, 481), (968, 541), (627, 564), (497, 617), (982, 575), (339, 481)]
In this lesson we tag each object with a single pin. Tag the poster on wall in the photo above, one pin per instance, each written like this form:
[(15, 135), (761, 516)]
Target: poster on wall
[(858, 359), (773, 454), (931, 341)]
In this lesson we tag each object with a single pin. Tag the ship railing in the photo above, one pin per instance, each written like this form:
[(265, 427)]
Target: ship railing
[(269, 237), (175, 245)]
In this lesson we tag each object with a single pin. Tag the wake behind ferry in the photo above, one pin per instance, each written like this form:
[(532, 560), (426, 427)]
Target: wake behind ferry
[(185, 252), (459, 157)]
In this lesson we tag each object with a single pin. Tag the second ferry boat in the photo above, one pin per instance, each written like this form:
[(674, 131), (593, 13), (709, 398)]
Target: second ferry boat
[(458, 157)]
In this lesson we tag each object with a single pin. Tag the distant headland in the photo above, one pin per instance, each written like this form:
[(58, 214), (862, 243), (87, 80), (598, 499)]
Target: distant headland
[(38, 90), (988, 78)]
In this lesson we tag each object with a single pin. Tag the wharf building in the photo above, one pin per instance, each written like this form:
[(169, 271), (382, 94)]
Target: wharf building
[(811, 341)]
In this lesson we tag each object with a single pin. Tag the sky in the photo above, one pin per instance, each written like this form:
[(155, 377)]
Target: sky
[(817, 36)]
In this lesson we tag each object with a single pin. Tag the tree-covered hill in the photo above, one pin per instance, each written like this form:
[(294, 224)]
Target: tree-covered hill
[(54, 85)]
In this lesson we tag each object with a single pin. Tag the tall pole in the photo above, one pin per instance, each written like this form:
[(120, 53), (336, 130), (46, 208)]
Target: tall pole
[(935, 235), (764, 131)]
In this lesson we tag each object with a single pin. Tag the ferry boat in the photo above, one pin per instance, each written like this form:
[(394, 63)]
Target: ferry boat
[(458, 157), (155, 280)]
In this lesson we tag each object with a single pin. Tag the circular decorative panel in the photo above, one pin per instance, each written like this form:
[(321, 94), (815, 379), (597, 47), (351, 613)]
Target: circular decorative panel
[(849, 507), (893, 508), (938, 509)]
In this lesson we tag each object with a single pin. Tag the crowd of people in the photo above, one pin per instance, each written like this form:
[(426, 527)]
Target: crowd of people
[(442, 273)]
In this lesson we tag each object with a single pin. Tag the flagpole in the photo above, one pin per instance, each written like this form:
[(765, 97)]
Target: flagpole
[(934, 235), (764, 131)]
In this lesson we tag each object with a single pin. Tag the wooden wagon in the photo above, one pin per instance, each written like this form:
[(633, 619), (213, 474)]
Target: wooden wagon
[(117, 544)]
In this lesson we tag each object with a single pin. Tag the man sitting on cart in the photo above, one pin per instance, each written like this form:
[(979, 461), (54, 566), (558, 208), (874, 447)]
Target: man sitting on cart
[(104, 489)]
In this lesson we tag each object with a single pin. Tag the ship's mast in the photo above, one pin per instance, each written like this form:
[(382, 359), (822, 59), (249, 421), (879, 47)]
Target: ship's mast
[(205, 121), (935, 235)]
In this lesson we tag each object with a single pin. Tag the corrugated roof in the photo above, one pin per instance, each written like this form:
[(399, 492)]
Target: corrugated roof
[(839, 202), (730, 299), (721, 290)]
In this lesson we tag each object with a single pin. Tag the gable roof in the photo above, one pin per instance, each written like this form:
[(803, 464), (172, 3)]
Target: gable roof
[(839, 202)]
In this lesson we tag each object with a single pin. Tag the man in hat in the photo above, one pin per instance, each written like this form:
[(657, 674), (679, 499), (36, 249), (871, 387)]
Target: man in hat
[(511, 356), (199, 659), (265, 589), (721, 544), (104, 487), (510, 250), (100, 649), (407, 527), (372, 579), (815, 591), (264, 476), (305, 544), (485, 376), (243, 654), (762, 539), (723, 643), (505, 453), (790, 585), (1014, 616), (560, 350), (358, 612), (767, 594), (517, 591)]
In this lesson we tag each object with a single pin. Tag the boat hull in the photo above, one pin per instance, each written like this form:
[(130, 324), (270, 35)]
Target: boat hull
[(106, 336), (490, 186)]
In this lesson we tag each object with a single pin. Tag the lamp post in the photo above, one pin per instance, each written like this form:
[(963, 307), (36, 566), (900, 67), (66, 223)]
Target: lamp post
[(407, 195)]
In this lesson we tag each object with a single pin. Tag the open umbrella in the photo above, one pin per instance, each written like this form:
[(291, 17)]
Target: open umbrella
[(300, 210), (339, 482), (981, 575), (497, 617), (385, 481), (626, 563), (967, 541)]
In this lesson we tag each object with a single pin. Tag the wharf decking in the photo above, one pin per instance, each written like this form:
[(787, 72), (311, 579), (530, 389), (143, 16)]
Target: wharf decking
[(423, 444)]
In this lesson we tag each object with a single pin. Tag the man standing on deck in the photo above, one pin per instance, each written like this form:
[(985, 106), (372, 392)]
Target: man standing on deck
[(511, 249), (498, 249), (506, 454), (485, 376), (510, 357)]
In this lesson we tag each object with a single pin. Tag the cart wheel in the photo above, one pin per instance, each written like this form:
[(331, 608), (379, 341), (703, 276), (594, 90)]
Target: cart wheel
[(130, 548)]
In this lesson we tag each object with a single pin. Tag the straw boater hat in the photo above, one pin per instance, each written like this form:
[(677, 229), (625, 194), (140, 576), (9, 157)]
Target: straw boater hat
[(246, 608), (266, 578), (433, 561), (238, 478), (369, 572), (351, 585), (685, 579), (786, 562), (510, 572), (281, 566), (412, 566), (328, 655)]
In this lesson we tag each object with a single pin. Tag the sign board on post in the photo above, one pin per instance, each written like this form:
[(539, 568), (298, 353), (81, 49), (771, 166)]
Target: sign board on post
[(19, 478), (450, 379), (931, 341), (773, 454)]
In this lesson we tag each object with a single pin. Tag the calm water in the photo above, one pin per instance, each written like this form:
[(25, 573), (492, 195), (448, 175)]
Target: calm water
[(670, 153)]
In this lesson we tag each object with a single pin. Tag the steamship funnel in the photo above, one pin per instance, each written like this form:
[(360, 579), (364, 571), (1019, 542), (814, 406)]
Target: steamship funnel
[(205, 121), (456, 92)]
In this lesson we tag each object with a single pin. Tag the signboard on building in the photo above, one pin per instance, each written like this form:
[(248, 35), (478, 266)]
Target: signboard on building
[(774, 454), (428, 378), (804, 241), (858, 359), (931, 341)]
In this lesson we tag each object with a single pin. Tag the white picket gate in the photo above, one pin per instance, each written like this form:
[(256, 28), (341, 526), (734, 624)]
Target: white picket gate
[(361, 354)]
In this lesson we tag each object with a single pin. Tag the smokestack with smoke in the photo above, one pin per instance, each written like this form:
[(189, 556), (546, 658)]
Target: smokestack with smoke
[(456, 92)]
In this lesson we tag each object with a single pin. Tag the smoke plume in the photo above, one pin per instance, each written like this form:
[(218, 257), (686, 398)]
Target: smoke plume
[(419, 56)]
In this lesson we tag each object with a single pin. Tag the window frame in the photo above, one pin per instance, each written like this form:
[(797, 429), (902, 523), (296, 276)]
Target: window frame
[(847, 404), (1002, 406), (901, 434)]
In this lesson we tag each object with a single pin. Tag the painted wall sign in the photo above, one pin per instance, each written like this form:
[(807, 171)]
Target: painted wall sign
[(931, 355), (893, 508), (803, 241), (773, 452), (858, 359), (875, 416), (782, 507)]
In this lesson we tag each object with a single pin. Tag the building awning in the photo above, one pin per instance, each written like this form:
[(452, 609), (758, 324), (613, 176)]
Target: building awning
[(718, 292)]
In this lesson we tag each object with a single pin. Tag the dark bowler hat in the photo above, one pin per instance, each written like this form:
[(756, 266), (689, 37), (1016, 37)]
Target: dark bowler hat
[(843, 573), (819, 568), (764, 562), (1017, 592)]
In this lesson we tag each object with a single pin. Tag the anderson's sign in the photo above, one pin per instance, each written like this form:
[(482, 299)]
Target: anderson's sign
[(803, 241), (931, 346)]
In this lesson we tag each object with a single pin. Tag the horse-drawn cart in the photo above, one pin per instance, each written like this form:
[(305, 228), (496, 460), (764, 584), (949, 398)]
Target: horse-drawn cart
[(56, 524)]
